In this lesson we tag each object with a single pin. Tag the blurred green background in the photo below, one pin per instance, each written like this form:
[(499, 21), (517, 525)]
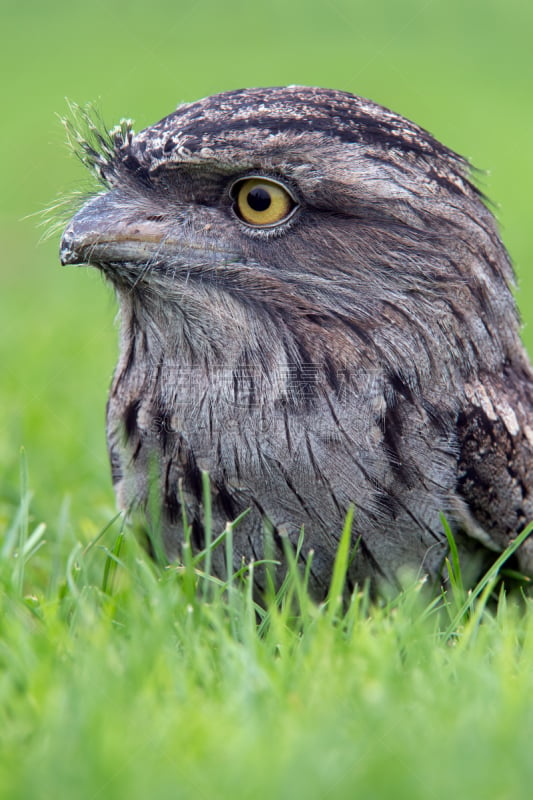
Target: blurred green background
[(461, 69)]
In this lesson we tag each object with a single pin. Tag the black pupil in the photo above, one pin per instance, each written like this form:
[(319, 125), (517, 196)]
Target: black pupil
[(259, 199)]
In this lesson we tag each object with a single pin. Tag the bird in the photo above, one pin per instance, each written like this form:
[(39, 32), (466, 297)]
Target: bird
[(316, 312)]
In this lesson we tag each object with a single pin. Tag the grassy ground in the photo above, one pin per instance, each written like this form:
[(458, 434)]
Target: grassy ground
[(122, 680), (118, 679)]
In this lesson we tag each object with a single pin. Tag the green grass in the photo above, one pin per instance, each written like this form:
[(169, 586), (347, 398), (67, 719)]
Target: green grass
[(119, 678)]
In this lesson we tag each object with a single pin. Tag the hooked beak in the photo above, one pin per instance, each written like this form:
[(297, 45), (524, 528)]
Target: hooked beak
[(100, 233)]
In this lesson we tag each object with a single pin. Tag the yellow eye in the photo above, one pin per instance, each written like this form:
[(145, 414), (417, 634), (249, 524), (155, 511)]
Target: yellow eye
[(262, 202)]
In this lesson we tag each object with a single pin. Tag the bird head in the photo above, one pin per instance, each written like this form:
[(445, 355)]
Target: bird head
[(312, 214)]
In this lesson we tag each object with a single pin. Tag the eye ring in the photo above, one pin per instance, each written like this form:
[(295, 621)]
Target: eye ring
[(262, 202)]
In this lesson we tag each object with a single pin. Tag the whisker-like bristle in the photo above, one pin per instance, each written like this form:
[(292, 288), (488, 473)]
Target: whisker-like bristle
[(90, 140)]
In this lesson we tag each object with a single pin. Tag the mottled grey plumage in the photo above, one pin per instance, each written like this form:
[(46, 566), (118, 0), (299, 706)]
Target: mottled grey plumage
[(365, 350)]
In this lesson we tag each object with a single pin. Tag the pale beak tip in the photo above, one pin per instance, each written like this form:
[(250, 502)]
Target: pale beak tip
[(68, 253)]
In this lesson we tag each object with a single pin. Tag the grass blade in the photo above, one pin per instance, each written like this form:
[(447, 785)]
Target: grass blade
[(488, 580), (340, 567)]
